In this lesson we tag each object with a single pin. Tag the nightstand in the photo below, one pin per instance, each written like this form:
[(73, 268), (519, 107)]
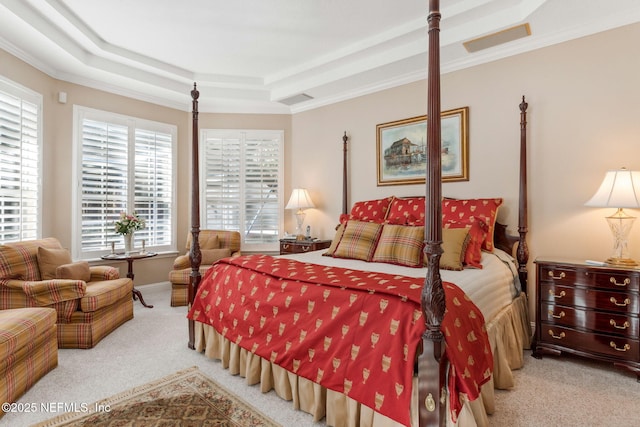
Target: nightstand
[(289, 246), (589, 311)]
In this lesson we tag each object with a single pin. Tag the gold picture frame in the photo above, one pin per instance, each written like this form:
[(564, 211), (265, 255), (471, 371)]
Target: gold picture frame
[(401, 149)]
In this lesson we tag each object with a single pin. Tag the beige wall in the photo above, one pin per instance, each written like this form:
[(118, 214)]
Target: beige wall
[(583, 120), (58, 146)]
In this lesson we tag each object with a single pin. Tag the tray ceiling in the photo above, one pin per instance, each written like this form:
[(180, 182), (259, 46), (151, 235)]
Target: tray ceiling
[(279, 56)]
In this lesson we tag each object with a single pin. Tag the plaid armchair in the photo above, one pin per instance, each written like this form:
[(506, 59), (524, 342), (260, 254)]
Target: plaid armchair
[(214, 245), (90, 302)]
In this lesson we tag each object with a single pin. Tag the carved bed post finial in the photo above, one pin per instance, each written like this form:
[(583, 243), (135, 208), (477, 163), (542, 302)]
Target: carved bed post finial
[(522, 253), (345, 198), (195, 256)]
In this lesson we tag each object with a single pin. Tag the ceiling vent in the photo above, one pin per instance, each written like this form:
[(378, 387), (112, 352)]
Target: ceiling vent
[(504, 36), (296, 99)]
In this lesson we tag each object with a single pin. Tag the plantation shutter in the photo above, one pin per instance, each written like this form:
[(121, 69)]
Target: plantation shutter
[(20, 164), (242, 175), (125, 165), (104, 182), (153, 186)]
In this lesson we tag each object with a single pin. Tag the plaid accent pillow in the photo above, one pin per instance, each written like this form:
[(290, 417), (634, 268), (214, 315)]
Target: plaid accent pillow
[(469, 210), (359, 240), (400, 244)]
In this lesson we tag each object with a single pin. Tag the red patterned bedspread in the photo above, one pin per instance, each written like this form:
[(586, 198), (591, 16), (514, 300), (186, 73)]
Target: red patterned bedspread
[(355, 332)]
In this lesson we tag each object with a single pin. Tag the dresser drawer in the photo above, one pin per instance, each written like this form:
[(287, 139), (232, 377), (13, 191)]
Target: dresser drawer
[(591, 277), (598, 321), (588, 310), (589, 298), (622, 348), (302, 246), (294, 248)]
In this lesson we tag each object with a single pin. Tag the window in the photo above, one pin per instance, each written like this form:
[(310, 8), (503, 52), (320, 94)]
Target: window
[(241, 185), (20, 162), (123, 164)]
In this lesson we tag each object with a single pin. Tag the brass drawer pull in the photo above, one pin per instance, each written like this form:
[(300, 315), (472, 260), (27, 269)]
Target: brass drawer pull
[(553, 294), (557, 316), (558, 337), (285, 246), (624, 303), (624, 283), (615, 346), (306, 248), (625, 325), (553, 276)]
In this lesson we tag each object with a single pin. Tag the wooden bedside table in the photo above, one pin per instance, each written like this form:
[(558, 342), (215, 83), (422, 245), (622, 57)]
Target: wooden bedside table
[(288, 246), (588, 310)]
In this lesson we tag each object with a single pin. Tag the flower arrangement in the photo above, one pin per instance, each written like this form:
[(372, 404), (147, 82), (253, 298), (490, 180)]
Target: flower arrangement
[(128, 223)]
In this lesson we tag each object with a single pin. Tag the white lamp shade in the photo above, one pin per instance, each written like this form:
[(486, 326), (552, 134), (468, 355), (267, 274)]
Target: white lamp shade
[(300, 199), (619, 189)]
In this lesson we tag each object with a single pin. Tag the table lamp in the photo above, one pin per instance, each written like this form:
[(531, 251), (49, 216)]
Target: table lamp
[(619, 189), (300, 200)]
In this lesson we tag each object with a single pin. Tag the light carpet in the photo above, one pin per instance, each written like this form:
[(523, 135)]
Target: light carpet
[(186, 398), (553, 391)]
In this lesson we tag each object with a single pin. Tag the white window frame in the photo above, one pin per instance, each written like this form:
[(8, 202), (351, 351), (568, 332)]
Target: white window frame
[(12, 88), (80, 113), (242, 134)]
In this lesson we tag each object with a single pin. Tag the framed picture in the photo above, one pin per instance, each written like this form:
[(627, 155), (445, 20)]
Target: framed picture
[(402, 149)]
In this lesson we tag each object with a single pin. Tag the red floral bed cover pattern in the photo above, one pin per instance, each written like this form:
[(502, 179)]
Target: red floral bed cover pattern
[(352, 331)]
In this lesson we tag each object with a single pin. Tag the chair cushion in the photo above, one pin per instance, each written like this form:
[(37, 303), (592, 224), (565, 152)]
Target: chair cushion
[(104, 293), (50, 259), (19, 326)]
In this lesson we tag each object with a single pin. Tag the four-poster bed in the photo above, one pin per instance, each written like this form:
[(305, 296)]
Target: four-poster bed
[(339, 399)]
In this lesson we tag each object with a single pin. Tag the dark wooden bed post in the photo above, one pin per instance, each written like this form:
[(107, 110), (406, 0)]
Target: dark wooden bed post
[(195, 255), (522, 253), (431, 366), (345, 198)]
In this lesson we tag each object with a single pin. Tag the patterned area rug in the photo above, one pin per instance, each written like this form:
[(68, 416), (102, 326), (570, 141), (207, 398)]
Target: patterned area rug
[(185, 398)]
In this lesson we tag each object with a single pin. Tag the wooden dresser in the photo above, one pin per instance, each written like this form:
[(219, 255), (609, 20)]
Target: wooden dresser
[(588, 310), (289, 246)]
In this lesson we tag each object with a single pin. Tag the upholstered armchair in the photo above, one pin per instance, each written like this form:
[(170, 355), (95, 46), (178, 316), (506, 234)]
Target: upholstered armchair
[(90, 301), (214, 245)]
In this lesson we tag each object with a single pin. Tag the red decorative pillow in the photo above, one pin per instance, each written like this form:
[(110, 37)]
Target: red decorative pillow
[(477, 235), (370, 210), (469, 211), (406, 211)]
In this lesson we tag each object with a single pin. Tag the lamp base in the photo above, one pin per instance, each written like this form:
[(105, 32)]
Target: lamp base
[(621, 262), (620, 224)]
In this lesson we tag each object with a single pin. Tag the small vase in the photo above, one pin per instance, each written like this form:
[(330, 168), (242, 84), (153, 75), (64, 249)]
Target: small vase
[(128, 243)]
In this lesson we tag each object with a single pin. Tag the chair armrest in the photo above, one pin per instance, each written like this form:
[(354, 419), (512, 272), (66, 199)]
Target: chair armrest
[(104, 272), (182, 262), (47, 292), (236, 254)]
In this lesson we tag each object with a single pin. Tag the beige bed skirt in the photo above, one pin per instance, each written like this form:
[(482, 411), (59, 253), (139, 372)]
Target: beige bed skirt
[(509, 333)]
